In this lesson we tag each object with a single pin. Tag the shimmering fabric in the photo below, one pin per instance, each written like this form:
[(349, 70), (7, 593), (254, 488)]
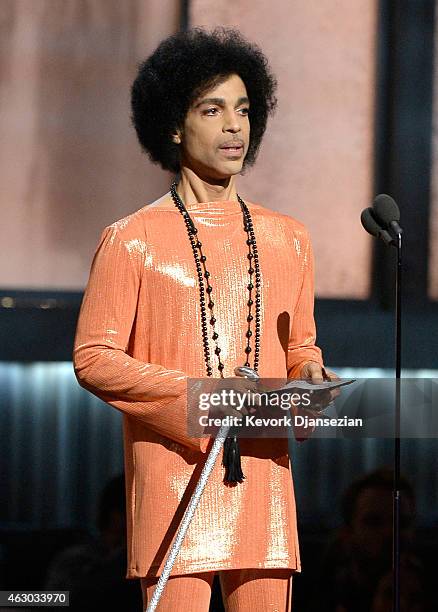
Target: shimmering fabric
[(139, 338)]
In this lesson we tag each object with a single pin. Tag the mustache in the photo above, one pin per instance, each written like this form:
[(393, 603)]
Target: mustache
[(235, 142)]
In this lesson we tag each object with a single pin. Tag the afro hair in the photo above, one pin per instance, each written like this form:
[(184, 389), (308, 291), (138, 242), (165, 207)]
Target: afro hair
[(183, 67)]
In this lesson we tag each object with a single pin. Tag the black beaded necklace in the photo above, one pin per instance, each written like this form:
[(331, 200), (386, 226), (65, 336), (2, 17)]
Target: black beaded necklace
[(231, 455)]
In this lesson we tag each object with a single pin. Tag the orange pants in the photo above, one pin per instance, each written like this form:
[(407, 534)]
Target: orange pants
[(245, 590)]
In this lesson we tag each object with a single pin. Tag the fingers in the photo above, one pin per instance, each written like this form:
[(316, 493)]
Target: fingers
[(312, 371), (317, 374), (332, 376)]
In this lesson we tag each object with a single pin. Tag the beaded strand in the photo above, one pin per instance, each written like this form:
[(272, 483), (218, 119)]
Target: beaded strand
[(206, 288)]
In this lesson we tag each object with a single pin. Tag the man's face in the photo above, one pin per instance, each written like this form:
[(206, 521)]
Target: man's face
[(215, 135)]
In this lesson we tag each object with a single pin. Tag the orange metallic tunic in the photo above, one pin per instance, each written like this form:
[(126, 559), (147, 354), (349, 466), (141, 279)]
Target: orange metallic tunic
[(138, 339)]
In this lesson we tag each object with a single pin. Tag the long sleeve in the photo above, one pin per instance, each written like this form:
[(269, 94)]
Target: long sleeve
[(149, 392), (301, 346)]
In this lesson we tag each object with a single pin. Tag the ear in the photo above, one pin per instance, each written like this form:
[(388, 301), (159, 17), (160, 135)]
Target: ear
[(177, 136)]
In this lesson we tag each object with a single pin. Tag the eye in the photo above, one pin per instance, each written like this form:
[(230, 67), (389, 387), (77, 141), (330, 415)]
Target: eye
[(212, 111), (244, 111)]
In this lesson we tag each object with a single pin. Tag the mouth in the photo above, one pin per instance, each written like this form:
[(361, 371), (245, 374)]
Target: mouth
[(232, 149)]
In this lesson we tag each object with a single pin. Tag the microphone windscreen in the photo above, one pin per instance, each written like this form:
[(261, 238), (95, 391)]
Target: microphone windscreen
[(369, 223), (385, 209)]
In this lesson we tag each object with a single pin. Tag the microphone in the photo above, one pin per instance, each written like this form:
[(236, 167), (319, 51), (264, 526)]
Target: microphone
[(372, 227), (387, 213)]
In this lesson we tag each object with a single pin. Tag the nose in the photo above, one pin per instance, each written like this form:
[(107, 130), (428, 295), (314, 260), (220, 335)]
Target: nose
[(231, 122), (234, 128)]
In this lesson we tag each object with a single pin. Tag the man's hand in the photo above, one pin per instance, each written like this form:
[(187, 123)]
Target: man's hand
[(317, 374), (314, 373)]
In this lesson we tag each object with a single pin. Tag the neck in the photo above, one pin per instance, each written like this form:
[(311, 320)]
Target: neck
[(193, 189)]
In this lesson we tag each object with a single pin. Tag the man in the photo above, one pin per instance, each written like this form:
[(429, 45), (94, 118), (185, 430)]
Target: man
[(195, 284)]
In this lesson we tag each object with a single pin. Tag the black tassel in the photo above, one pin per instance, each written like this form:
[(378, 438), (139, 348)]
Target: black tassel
[(231, 461)]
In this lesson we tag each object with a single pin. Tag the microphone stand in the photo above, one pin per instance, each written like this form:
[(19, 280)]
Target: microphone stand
[(382, 222), (396, 488)]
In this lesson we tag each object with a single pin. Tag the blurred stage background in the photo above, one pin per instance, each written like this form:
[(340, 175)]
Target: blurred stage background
[(357, 115)]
